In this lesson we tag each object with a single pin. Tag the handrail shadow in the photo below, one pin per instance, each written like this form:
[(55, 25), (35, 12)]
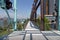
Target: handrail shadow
[(30, 36)]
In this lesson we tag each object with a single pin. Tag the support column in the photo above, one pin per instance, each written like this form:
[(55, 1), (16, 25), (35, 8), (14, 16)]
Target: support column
[(59, 17), (47, 7), (42, 15), (15, 16)]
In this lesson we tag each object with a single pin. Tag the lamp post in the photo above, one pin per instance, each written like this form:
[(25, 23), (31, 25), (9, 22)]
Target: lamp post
[(15, 16)]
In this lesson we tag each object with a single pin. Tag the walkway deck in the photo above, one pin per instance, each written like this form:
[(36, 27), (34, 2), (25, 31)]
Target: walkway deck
[(33, 33)]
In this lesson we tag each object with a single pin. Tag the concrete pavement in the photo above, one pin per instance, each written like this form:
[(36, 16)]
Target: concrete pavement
[(33, 33), (17, 35), (31, 26)]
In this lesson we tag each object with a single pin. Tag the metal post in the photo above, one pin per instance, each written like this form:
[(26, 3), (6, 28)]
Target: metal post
[(7, 15), (59, 17), (15, 16), (8, 19)]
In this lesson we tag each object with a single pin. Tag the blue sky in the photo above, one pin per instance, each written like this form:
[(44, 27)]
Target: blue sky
[(23, 9)]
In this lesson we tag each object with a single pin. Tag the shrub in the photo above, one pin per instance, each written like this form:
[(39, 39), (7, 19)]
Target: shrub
[(46, 24), (19, 26)]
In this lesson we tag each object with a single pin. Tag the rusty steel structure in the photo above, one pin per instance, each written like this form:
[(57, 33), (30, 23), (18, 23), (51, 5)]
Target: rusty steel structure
[(47, 7), (34, 10), (35, 6), (42, 15), (44, 11), (44, 5)]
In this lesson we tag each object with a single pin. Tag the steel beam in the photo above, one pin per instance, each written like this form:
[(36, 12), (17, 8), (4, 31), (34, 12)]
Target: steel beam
[(38, 5), (42, 15), (34, 9)]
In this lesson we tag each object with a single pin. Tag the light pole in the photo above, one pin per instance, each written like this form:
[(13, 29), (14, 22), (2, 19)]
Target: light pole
[(15, 16)]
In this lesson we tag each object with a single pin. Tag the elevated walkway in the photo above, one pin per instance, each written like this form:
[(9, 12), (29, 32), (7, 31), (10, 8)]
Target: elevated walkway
[(31, 26), (33, 33)]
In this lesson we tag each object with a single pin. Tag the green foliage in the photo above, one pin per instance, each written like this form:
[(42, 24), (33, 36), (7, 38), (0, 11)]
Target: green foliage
[(26, 20), (5, 22), (11, 25), (19, 26), (37, 23), (3, 33), (3, 29), (46, 24), (25, 23)]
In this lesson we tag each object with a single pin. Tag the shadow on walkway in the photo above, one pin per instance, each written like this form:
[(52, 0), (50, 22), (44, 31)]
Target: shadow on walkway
[(33, 26), (51, 34), (30, 36)]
